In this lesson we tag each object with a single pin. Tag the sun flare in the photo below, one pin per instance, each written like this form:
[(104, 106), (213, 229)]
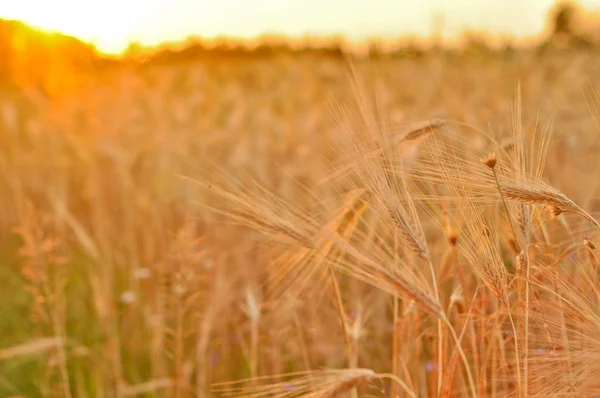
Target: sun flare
[(108, 25)]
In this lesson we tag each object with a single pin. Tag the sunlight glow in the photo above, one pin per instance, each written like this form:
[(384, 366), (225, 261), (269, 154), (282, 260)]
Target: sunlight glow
[(112, 24), (107, 24)]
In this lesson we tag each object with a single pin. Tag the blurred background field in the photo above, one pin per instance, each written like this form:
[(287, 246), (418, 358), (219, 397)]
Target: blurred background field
[(116, 281)]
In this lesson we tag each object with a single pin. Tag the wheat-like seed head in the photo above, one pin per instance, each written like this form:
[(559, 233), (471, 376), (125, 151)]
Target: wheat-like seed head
[(329, 383), (430, 127), (491, 160)]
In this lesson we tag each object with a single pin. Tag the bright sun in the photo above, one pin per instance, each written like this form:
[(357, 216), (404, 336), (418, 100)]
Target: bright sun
[(107, 24)]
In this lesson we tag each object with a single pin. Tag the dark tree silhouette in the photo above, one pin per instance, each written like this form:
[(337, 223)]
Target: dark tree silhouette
[(567, 27), (563, 19)]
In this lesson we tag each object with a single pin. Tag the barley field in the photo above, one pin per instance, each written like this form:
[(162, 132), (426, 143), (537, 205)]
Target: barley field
[(297, 225)]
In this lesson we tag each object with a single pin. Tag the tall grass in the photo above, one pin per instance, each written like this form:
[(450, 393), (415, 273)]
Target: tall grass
[(295, 227)]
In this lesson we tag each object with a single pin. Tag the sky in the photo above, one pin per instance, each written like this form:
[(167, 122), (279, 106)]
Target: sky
[(112, 24)]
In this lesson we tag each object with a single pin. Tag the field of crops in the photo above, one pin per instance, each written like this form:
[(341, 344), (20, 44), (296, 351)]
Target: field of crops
[(394, 227)]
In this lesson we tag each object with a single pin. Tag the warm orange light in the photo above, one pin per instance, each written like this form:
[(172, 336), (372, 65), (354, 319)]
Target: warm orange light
[(112, 24), (107, 24)]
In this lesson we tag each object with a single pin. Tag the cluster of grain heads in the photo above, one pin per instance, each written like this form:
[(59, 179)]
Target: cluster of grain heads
[(377, 265), (481, 293), (117, 285), (374, 166)]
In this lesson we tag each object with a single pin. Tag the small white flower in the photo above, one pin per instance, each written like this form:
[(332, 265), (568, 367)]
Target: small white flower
[(127, 297)]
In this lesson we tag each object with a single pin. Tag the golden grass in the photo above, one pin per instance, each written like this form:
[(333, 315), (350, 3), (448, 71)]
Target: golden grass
[(294, 227)]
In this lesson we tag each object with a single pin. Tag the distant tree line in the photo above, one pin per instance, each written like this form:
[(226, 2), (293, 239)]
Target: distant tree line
[(568, 26), (51, 60)]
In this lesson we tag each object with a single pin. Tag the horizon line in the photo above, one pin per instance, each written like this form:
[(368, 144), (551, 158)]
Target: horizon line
[(491, 39)]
